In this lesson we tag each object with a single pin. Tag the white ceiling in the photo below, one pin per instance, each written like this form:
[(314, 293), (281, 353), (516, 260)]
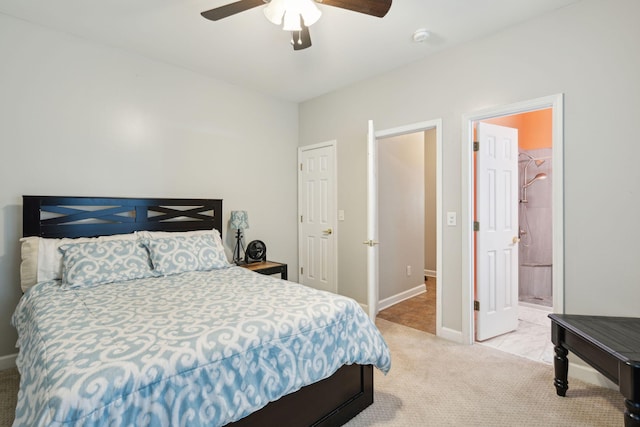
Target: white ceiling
[(249, 51)]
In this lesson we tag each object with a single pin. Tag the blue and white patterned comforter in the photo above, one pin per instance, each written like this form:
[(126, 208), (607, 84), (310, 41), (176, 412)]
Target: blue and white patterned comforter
[(198, 348)]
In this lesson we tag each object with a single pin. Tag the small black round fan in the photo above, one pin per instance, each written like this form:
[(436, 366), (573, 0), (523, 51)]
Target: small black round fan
[(256, 251)]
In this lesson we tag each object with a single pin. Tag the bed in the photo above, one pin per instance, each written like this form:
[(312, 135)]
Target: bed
[(148, 324)]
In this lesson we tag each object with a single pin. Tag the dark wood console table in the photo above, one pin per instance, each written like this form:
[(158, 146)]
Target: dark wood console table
[(609, 344)]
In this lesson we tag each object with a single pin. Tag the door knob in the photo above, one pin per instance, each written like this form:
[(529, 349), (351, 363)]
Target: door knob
[(328, 231), (515, 239)]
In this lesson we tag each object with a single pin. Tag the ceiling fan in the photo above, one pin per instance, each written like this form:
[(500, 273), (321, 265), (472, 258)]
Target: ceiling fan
[(298, 15)]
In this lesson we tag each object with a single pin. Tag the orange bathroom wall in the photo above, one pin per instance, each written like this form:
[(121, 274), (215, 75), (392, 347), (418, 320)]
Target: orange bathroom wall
[(534, 128)]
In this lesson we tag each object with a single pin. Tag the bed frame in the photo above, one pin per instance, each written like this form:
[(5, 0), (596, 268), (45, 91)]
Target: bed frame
[(330, 402)]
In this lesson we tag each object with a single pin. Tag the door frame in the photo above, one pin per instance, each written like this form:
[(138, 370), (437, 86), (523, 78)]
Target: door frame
[(403, 130), (555, 102), (333, 214)]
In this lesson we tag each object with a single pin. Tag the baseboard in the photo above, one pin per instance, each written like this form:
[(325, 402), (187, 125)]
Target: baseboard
[(536, 306), (430, 273), (365, 307), (393, 300), (8, 361), (589, 375), (450, 335)]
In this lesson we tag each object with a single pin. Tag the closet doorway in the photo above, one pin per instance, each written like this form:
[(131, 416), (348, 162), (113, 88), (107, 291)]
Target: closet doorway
[(408, 220)]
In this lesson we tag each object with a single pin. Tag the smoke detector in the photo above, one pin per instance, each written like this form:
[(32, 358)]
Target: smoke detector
[(420, 35)]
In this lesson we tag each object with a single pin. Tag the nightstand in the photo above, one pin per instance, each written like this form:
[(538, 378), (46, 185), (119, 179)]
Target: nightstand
[(268, 268)]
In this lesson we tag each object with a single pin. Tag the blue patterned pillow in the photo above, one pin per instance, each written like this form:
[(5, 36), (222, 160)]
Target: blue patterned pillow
[(94, 263), (178, 254)]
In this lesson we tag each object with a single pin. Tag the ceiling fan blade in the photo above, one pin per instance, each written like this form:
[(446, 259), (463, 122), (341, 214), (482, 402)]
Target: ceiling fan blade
[(378, 8), (301, 39), (231, 9)]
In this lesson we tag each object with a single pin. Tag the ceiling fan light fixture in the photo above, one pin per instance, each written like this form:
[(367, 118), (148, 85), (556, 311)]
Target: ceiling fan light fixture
[(290, 11), (274, 11), (291, 21), (309, 11)]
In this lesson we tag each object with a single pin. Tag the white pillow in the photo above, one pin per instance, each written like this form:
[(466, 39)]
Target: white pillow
[(144, 234), (42, 261), (29, 265)]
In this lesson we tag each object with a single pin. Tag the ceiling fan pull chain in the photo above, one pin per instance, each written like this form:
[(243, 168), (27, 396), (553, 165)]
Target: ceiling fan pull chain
[(293, 37)]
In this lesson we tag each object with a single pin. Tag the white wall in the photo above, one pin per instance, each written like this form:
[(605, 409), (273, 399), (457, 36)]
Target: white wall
[(77, 118), (430, 200), (588, 51), (401, 213)]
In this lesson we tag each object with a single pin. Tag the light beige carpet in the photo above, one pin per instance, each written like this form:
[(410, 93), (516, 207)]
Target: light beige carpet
[(9, 382), (434, 382)]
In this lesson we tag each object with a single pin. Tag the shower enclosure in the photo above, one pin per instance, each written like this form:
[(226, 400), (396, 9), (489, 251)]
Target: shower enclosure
[(536, 244)]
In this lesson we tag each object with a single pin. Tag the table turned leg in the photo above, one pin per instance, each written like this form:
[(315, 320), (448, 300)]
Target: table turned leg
[(561, 368), (632, 414)]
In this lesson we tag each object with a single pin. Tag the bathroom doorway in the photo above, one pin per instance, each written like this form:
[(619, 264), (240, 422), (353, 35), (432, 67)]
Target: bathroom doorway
[(533, 154), (555, 103), (535, 181)]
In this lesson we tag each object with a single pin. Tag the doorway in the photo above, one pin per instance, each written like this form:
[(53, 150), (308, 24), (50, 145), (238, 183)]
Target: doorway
[(407, 227), (535, 205), (553, 102), (374, 211), (524, 328)]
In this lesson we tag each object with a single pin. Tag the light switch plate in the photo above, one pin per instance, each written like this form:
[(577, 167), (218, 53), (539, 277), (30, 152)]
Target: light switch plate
[(452, 219)]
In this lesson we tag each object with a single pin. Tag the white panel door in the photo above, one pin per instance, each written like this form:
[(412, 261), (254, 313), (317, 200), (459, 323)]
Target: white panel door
[(317, 211), (497, 237), (372, 222)]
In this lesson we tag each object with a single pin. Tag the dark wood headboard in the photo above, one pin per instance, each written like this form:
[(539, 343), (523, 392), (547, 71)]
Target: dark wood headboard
[(55, 217)]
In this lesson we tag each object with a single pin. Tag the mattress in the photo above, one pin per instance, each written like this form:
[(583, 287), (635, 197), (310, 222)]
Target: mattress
[(196, 348)]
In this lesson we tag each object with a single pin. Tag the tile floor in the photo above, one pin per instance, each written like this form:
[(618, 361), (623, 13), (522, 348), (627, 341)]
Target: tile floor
[(418, 312), (532, 339)]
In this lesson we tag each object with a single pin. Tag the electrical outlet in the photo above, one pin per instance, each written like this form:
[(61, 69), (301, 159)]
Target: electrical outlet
[(408, 270)]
